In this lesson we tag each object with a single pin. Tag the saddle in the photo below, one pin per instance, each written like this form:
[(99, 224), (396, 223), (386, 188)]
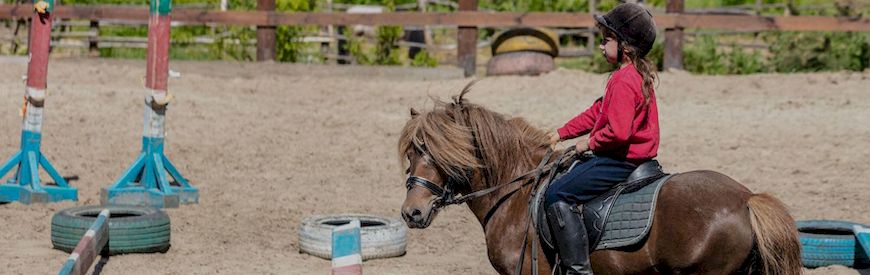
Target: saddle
[(621, 217)]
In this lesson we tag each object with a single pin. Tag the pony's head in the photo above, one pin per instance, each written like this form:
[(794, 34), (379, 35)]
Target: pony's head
[(456, 148)]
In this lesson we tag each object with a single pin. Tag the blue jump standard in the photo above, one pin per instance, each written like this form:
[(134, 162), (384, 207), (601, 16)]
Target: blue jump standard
[(862, 234), (24, 186), (145, 183)]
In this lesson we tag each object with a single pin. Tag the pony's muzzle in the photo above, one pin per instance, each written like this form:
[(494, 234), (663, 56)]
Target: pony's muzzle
[(414, 217)]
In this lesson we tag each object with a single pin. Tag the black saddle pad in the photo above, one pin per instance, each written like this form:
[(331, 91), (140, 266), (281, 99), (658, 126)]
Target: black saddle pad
[(618, 218), (630, 218)]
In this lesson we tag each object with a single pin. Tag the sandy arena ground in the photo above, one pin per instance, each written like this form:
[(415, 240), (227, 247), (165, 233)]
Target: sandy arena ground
[(270, 144)]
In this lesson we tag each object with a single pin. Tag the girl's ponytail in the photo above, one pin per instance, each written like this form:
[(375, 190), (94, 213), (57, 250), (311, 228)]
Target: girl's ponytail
[(647, 71)]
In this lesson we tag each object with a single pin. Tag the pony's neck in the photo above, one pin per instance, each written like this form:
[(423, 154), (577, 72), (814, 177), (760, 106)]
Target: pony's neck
[(503, 215), (497, 203)]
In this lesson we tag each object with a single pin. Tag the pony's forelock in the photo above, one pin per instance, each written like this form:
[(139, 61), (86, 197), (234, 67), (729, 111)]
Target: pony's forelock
[(483, 141)]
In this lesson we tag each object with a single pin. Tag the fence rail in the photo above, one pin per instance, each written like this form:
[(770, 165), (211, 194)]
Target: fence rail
[(460, 18), (468, 19)]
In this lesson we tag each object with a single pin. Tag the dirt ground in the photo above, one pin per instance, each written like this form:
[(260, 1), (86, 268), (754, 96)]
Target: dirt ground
[(270, 144)]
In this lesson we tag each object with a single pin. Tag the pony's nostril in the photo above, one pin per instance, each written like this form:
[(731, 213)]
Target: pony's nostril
[(416, 214)]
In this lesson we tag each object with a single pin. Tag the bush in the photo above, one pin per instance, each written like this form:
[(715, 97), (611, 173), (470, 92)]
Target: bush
[(741, 62), (702, 57), (423, 59), (818, 51), (387, 49), (232, 44)]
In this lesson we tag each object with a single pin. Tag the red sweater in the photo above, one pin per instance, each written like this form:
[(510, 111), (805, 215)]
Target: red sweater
[(619, 124)]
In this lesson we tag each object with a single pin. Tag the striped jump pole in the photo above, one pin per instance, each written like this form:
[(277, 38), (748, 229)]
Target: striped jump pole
[(89, 247), (346, 247), (146, 181), (24, 186)]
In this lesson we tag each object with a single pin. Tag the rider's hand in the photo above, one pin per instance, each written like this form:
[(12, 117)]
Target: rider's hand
[(582, 145), (554, 138)]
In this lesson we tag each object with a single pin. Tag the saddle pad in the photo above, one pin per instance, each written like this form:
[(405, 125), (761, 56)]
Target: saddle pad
[(631, 217)]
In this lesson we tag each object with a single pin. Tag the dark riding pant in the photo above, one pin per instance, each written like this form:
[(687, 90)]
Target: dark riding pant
[(588, 180)]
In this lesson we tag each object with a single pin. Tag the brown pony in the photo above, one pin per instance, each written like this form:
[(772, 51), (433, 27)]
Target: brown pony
[(705, 222)]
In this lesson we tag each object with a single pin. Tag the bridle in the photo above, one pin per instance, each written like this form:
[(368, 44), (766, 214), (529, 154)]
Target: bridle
[(447, 195), (443, 196)]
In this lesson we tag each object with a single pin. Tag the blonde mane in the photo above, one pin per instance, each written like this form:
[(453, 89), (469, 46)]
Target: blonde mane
[(461, 136)]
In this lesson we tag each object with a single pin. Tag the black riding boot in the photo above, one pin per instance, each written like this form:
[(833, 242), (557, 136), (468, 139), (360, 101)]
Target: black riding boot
[(570, 235)]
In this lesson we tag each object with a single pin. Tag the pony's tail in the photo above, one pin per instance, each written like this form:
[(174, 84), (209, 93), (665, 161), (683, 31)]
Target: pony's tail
[(776, 235)]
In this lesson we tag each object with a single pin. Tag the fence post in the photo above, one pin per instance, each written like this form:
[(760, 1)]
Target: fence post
[(674, 39), (266, 34), (467, 41), (93, 37), (590, 42)]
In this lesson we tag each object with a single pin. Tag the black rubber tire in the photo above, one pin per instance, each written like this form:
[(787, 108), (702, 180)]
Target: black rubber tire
[(828, 242), (379, 237), (132, 229)]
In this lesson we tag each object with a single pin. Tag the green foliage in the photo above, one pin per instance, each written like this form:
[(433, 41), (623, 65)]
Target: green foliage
[(232, 44), (423, 59), (387, 49), (595, 63), (706, 57), (295, 5), (656, 55), (385, 52), (354, 47), (702, 57), (392, 3), (741, 62), (287, 45), (817, 51)]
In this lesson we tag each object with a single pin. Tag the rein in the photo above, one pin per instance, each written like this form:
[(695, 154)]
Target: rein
[(445, 196)]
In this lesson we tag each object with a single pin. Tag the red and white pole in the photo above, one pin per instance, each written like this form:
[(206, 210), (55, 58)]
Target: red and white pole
[(25, 186), (152, 168), (37, 67), (157, 68)]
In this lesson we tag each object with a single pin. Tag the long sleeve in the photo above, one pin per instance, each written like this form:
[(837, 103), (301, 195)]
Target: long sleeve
[(619, 107), (582, 123)]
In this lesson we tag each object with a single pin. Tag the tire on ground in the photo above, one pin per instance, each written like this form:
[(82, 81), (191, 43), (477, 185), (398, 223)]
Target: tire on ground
[(379, 237), (132, 229), (827, 242)]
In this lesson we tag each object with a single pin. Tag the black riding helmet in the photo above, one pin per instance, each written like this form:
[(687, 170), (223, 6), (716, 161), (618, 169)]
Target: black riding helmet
[(632, 24)]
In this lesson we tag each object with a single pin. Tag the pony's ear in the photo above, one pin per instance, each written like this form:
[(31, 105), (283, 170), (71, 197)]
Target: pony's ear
[(414, 112)]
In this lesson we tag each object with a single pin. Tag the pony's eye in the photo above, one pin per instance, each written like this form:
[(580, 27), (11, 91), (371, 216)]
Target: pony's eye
[(408, 171)]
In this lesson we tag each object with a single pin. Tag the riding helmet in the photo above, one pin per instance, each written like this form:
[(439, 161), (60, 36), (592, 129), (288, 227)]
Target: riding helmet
[(633, 24)]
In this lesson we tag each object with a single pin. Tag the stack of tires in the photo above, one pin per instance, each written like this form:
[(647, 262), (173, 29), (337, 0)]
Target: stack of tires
[(131, 229), (827, 242), (523, 51)]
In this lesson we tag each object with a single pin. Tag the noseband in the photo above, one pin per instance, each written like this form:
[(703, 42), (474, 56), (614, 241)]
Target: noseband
[(443, 196)]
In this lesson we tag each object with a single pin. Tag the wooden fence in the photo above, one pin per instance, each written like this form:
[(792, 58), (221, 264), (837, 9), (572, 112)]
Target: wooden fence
[(467, 19)]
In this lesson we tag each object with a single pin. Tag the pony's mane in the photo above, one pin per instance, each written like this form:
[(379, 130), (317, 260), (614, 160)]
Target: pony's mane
[(503, 148)]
